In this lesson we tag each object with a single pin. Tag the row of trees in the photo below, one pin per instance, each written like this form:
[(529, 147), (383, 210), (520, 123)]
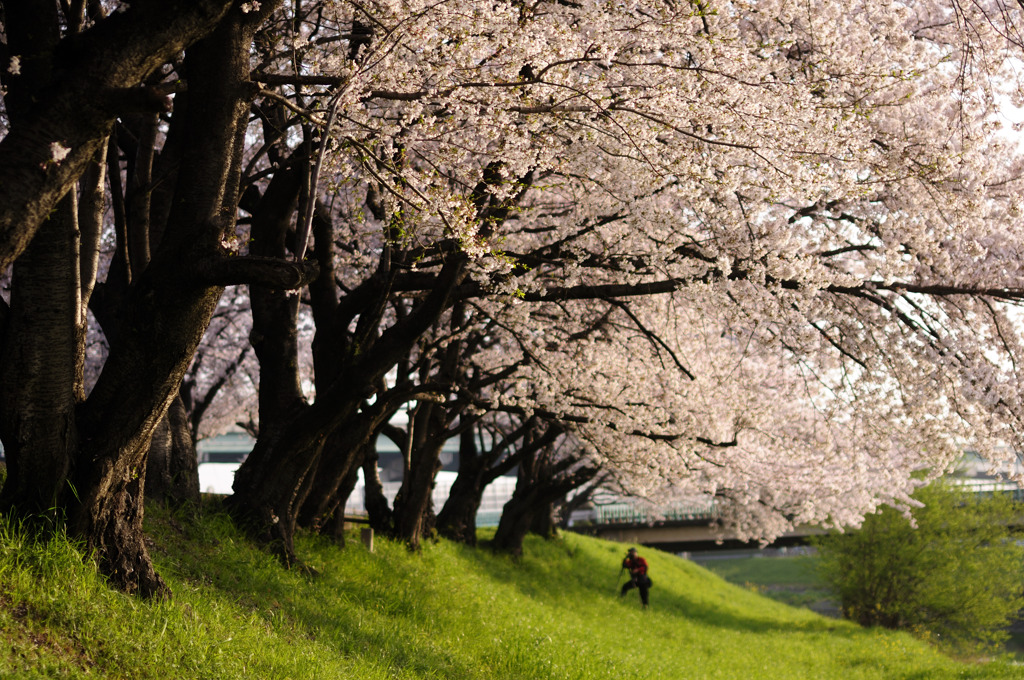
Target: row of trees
[(765, 251)]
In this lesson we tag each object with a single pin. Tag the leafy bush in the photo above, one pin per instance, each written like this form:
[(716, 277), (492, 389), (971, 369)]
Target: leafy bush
[(955, 579)]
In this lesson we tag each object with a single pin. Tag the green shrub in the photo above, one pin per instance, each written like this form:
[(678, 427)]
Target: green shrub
[(955, 579)]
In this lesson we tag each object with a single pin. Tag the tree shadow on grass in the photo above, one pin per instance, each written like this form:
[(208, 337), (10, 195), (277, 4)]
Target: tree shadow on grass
[(391, 605), (566, 569), (376, 616)]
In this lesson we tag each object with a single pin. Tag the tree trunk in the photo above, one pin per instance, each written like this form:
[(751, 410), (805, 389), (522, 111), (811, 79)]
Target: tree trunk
[(543, 523), (89, 462), (477, 469), (167, 311), (111, 56), (334, 525), (376, 503), (457, 519), (271, 485), (516, 519), (336, 470), (172, 468), (113, 527), (414, 512), (542, 481), (40, 424), (39, 364)]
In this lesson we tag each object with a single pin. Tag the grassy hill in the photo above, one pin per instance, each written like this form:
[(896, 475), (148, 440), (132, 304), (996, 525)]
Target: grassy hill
[(449, 612)]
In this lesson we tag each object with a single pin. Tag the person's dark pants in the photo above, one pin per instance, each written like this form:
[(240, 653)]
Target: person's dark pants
[(639, 582)]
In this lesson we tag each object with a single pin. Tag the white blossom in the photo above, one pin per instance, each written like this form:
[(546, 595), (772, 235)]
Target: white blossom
[(58, 152), (807, 184)]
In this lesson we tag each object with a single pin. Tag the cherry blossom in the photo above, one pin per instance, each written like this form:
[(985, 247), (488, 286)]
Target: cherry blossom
[(764, 251)]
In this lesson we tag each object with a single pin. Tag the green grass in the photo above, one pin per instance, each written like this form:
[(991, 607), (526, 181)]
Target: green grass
[(792, 580), (449, 612), (798, 570)]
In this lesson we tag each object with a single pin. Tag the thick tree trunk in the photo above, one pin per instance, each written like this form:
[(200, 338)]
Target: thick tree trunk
[(544, 524), (172, 468), (166, 312), (542, 482), (414, 512), (377, 509), (115, 535), (271, 486), (457, 519), (97, 452), (477, 469), (76, 103), (516, 519), (337, 466), (39, 370), (414, 507)]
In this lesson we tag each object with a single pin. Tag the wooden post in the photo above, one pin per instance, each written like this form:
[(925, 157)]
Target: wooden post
[(366, 534)]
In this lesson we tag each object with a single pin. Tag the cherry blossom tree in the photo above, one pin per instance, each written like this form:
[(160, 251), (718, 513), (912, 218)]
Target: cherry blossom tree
[(69, 71), (829, 182), (492, 447), (761, 250)]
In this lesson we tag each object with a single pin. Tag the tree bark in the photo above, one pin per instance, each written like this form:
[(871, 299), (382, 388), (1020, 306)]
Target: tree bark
[(413, 511), (457, 519), (172, 468), (543, 523), (274, 339), (477, 469), (326, 488), (164, 316), (542, 481), (38, 370), (516, 519), (271, 485), (79, 98), (167, 314)]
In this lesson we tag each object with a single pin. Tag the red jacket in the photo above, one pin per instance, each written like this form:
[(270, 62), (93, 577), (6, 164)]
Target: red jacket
[(637, 565)]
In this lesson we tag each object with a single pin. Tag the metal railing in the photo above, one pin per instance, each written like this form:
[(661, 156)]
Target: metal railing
[(625, 512)]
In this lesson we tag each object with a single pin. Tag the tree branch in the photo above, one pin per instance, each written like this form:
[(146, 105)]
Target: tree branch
[(119, 51), (122, 100), (264, 271)]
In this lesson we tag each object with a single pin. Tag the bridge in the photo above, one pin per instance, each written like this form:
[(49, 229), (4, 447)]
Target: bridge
[(683, 527), (677, 527), (684, 535)]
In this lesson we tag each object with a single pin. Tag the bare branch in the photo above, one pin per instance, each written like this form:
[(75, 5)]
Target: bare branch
[(265, 271)]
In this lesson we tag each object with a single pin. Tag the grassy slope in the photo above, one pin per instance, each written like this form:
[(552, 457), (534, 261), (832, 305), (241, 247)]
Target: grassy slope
[(797, 570), (450, 612), (791, 580)]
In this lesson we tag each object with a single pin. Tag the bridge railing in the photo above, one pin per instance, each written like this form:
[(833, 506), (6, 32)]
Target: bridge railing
[(624, 512), (986, 488)]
